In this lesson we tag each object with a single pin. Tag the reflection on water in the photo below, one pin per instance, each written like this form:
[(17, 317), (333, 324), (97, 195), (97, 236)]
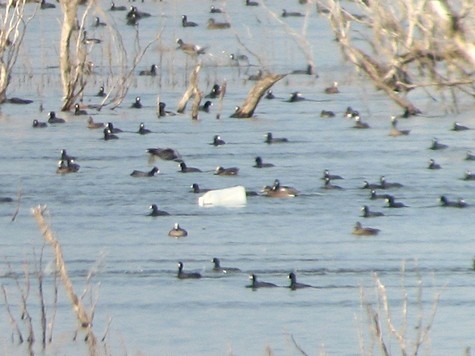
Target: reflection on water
[(99, 213)]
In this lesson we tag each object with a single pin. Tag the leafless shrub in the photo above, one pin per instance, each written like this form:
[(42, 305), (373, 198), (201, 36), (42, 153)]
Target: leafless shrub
[(382, 326), (409, 45)]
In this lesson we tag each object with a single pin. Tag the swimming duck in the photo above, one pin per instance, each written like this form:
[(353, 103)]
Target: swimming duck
[(469, 156), (436, 145), (307, 71), (217, 141), (215, 10), (162, 112), (286, 13), (189, 48), (255, 284), (65, 156), (39, 124), (360, 124), (185, 169), (433, 165), (195, 188), (217, 267), (394, 131), (108, 135), (326, 174), (329, 186), (260, 164), (367, 185), (270, 94), (152, 72), (101, 92), (332, 89), (186, 275), (78, 111), (367, 213), (67, 166), (167, 154), (257, 76), (46, 5), (350, 113), (238, 59), (117, 8), (327, 114), (445, 202), (213, 25), (113, 129), (151, 173), (186, 23), (89, 40), (177, 231), (94, 125), (295, 97), (280, 191), (98, 22), (135, 13), (221, 171), (469, 175), (375, 196), (206, 106), (294, 285), (156, 212), (142, 130), (394, 204), (364, 231), (251, 3), (270, 139), (137, 104), (388, 185), (52, 119), (215, 92), (459, 127)]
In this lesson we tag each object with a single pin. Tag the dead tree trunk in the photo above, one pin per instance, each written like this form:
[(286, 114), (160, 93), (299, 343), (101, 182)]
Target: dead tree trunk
[(255, 95), (72, 55)]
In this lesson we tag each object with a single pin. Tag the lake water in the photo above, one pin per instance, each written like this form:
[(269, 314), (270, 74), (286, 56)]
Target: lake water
[(99, 214)]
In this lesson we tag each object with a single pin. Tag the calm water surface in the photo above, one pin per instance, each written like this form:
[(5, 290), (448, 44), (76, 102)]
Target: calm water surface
[(99, 214)]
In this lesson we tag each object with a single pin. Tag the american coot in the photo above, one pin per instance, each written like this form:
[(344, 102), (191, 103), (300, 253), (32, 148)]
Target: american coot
[(52, 119), (177, 232), (108, 135), (186, 23), (389, 185), (330, 186), (270, 139), (186, 275), (436, 145), (394, 204), (326, 174), (251, 3), (78, 111), (433, 165), (360, 124), (113, 129), (295, 97), (185, 169), (367, 213), (38, 124), (151, 173), (67, 166), (215, 10), (142, 130), (217, 267), (206, 106), (468, 175), (255, 284), (286, 13), (152, 72), (195, 188), (294, 285), (364, 231), (260, 164), (137, 104), (445, 202), (374, 195), (217, 141), (394, 131), (215, 92), (156, 212)]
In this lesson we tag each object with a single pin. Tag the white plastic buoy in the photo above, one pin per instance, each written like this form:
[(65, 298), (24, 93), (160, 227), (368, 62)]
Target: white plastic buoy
[(235, 196)]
